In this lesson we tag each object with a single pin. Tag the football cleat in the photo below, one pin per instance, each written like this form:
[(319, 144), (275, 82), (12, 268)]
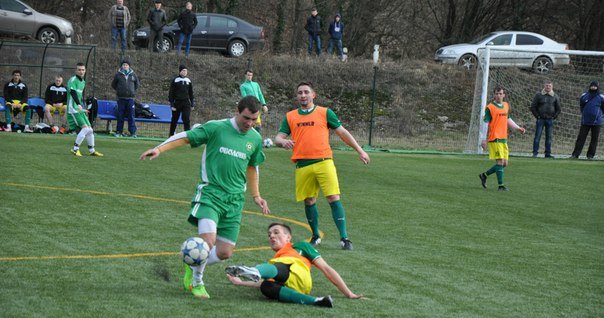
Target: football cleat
[(503, 188), (315, 240), (200, 291), (245, 272), (346, 244), (326, 301), (483, 180), (187, 280), (76, 153), (96, 154)]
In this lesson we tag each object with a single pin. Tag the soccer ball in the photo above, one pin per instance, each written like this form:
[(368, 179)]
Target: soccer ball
[(267, 143), (194, 251)]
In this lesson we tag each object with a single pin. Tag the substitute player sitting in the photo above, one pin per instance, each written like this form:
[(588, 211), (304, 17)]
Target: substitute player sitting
[(286, 277), (55, 98), (15, 95)]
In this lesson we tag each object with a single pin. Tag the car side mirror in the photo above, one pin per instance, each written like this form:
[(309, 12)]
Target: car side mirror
[(490, 43), (27, 11)]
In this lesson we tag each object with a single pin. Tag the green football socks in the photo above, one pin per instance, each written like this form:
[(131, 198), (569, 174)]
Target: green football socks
[(267, 270), (312, 216), (288, 295), (492, 170), (339, 217), (499, 175)]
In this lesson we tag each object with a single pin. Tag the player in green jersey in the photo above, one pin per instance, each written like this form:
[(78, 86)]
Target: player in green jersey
[(76, 114), (228, 166)]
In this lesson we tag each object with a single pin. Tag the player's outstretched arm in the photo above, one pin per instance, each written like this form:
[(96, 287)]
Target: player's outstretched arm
[(253, 185), (237, 281), (175, 141), (335, 278), (282, 141), (515, 126), (346, 137)]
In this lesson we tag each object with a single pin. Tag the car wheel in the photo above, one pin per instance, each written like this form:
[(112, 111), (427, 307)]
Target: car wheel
[(48, 35), (542, 65), (165, 46), (467, 61), (236, 48)]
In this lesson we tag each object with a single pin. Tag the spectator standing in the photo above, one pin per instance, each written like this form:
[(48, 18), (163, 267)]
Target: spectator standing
[(157, 20), (187, 21), (336, 30), (592, 107), (181, 99), (497, 117), (55, 98), (15, 97), (252, 88), (546, 108), (313, 26), (119, 17), (125, 83), (309, 127), (76, 113)]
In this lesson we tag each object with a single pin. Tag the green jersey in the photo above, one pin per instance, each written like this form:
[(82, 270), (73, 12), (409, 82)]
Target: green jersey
[(75, 84), (227, 154)]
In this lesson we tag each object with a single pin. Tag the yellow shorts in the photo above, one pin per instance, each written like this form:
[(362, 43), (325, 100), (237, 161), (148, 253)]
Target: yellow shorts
[(321, 175), (53, 109), (299, 275), (498, 150), (17, 105)]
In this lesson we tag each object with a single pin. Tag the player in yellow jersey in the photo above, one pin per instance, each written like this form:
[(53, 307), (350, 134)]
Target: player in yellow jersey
[(497, 115), (286, 277), (309, 126)]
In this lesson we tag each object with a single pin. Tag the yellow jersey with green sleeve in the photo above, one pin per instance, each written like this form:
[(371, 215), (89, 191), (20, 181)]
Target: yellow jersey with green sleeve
[(310, 132), (496, 115), (78, 85), (227, 154)]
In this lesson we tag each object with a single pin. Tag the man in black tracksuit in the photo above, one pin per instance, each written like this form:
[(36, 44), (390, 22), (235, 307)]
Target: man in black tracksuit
[(181, 99)]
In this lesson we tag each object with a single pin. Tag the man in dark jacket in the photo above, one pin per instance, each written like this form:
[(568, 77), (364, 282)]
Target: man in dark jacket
[(157, 20), (181, 99), (187, 21), (546, 108), (336, 29), (313, 27), (15, 96), (125, 83), (55, 99), (592, 108)]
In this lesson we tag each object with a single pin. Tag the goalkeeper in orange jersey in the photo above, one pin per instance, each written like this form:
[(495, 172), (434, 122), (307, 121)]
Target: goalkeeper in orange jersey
[(497, 117), (286, 277)]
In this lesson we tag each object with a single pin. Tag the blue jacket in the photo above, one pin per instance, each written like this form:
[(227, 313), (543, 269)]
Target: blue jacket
[(336, 35), (592, 107)]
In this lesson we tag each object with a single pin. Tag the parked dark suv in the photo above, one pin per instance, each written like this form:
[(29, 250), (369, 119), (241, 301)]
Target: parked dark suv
[(19, 19), (218, 32)]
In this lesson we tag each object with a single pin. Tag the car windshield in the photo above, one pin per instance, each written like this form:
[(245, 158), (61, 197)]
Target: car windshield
[(481, 38)]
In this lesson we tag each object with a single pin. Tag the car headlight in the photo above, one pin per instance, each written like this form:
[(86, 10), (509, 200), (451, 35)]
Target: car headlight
[(141, 33), (448, 52)]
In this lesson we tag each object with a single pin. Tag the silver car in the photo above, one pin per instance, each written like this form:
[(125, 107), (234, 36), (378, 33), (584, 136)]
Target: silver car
[(19, 19), (540, 57)]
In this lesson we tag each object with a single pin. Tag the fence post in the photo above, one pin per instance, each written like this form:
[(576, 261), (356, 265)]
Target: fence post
[(376, 57)]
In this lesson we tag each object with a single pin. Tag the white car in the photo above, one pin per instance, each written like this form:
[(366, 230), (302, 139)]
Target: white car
[(19, 19), (540, 59)]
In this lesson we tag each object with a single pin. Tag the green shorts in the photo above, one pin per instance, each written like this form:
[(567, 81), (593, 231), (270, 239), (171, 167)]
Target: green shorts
[(221, 207), (77, 120)]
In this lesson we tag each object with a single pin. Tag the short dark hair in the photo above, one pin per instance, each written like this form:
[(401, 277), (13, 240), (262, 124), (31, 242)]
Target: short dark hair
[(498, 88), (80, 64), (17, 72), (285, 226), (248, 71), (305, 83), (250, 102)]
